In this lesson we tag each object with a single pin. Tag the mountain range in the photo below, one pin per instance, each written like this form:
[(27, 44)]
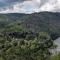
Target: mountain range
[(36, 22)]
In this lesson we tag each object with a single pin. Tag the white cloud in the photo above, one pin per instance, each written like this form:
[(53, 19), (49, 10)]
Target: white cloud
[(53, 6), (33, 6)]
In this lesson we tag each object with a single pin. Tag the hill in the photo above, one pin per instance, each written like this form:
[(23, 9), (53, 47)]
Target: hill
[(36, 22), (28, 36)]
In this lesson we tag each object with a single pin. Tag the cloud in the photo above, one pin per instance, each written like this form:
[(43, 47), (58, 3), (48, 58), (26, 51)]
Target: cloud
[(31, 6), (53, 5), (24, 7)]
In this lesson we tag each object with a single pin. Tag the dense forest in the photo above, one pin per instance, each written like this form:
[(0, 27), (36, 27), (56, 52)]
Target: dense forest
[(29, 36)]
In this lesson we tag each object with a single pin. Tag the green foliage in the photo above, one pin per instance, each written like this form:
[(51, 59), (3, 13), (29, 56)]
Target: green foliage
[(43, 21), (26, 49), (55, 57), (21, 36)]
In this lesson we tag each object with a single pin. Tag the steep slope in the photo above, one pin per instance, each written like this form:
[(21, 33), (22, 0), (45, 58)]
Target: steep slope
[(43, 21)]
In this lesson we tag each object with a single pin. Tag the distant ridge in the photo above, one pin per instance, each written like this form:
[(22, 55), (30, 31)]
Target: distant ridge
[(42, 21)]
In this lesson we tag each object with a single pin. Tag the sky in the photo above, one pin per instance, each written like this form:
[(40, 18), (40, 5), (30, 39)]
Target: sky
[(29, 6)]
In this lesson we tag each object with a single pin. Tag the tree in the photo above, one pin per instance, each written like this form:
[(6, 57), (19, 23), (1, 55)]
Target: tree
[(24, 49)]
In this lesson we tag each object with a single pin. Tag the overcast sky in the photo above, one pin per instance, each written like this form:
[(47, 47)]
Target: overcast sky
[(29, 6)]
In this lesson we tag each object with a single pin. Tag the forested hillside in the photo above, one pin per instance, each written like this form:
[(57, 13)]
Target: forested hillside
[(36, 22), (28, 36), (42, 21)]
